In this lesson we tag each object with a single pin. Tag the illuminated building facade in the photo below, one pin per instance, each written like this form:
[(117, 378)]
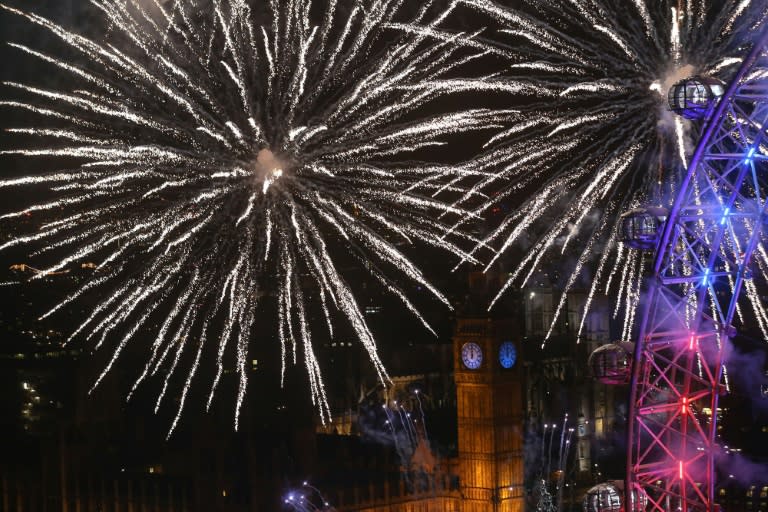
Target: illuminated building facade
[(489, 393)]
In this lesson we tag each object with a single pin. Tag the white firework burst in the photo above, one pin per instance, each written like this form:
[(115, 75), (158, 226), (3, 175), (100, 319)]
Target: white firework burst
[(230, 150), (593, 135)]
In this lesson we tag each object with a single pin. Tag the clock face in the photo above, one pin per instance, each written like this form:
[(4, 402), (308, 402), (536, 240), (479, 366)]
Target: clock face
[(507, 354), (471, 355)]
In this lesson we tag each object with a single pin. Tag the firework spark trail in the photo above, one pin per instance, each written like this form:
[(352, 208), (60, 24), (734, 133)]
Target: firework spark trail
[(604, 180), (621, 252), (391, 424), (590, 91), (749, 285), (719, 341), (405, 422), (733, 245), (224, 156), (583, 258), (593, 287), (626, 277), (411, 426), (421, 413), (630, 297)]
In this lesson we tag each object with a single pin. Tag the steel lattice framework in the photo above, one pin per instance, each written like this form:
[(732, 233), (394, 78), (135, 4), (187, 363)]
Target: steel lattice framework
[(701, 265)]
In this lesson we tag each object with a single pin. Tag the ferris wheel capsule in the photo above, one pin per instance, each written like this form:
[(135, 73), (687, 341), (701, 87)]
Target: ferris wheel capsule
[(609, 497), (692, 96), (641, 227), (611, 363), (603, 497)]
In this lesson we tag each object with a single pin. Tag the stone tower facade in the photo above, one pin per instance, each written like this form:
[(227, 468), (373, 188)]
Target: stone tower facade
[(490, 415)]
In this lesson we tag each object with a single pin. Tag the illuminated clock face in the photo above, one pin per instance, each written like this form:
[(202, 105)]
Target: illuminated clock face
[(471, 355), (507, 354)]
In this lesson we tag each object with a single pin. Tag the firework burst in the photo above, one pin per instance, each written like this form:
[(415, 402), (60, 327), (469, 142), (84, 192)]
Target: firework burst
[(230, 151), (593, 135)]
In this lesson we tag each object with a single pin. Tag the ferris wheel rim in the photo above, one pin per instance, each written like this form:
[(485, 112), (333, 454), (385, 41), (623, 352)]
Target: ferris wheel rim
[(715, 118)]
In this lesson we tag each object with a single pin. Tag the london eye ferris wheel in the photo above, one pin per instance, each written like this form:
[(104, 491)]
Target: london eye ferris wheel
[(703, 254)]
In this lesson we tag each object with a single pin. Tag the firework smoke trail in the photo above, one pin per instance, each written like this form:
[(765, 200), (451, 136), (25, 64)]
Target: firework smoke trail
[(421, 414), (592, 133), (410, 426), (405, 430), (229, 153), (549, 449), (403, 422), (562, 439), (395, 433)]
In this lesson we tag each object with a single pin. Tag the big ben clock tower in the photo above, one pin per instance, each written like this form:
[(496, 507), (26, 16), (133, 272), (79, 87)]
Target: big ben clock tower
[(490, 415)]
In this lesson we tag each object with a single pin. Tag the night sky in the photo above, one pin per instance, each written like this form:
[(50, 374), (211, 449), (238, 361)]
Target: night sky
[(273, 450)]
